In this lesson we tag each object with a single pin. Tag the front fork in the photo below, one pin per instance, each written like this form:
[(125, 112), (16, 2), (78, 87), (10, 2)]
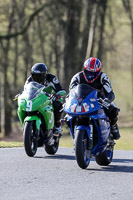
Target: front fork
[(90, 135), (89, 139), (89, 129), (37, 124)]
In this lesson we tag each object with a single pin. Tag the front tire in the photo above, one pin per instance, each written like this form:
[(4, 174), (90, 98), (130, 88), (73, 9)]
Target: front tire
[(30, 140), (81, 149)]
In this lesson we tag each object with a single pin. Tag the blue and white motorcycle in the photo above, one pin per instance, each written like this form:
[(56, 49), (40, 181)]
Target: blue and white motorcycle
[(89, 126)]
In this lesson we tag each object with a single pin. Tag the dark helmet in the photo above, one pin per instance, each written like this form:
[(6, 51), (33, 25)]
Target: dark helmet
[(92, 69), (38, 72)]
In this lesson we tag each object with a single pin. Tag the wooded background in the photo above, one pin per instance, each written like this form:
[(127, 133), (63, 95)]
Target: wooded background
[(62, 34)]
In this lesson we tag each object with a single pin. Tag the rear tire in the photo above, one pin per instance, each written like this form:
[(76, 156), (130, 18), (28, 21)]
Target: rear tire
[(81, 149), (30, 140), (52, 149), (104, 158)]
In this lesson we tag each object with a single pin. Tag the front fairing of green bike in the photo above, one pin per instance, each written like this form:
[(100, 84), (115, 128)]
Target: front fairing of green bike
[(32, 101)]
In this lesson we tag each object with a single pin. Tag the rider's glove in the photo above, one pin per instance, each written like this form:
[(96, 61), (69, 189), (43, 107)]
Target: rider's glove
[(55, 97), (106, 103)]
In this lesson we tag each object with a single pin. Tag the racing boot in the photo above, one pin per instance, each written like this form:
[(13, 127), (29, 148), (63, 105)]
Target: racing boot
[(57, 131), (115, 132)]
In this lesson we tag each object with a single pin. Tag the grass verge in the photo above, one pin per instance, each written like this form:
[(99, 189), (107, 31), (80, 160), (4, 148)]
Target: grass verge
[(126, 140), (124, 143), (4, 144)]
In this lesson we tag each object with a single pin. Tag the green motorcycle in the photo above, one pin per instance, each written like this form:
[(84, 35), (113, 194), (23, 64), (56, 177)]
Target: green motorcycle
[(36, 113)]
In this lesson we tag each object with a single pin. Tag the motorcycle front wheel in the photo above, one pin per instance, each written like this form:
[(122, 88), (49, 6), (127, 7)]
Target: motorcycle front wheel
[(81, 149), (30, 139)]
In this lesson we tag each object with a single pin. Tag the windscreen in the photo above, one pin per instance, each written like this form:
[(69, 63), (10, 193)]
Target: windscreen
[(81, 91), (32, 89), (81, 99)]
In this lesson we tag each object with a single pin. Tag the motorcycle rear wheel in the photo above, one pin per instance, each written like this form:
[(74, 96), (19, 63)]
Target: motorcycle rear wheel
[(30, 140), (81, 149), (52, 149), (105, 158)]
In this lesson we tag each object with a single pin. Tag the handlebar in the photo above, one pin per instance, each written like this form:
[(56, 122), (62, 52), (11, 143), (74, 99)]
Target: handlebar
[(47, 94), (51, 96), (103, 102)]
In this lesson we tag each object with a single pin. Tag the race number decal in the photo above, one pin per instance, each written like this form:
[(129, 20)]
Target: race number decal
[(29, 106)]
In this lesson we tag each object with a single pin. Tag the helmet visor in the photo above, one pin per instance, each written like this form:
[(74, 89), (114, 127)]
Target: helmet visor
[(91, 76), (39, 77)]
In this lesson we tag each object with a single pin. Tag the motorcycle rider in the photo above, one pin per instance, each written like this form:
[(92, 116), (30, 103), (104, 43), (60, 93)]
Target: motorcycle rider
[(39, 73), (93, 76)]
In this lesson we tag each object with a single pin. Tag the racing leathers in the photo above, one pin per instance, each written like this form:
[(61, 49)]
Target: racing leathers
[(105, 91)]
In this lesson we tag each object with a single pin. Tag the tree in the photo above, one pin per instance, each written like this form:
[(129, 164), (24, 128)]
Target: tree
[(5, 42), (61, 33), (128, 8)]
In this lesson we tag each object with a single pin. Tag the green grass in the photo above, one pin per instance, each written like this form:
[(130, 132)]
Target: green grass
[(126, 140), (4, 144), (124, 143), (66, 141)]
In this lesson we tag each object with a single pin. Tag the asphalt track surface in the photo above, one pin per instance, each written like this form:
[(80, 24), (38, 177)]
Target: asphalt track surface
[(58, 177)]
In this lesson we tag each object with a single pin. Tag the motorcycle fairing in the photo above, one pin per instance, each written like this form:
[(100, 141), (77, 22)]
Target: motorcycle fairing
[(95, 113), (33, 99), (82, 104)]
